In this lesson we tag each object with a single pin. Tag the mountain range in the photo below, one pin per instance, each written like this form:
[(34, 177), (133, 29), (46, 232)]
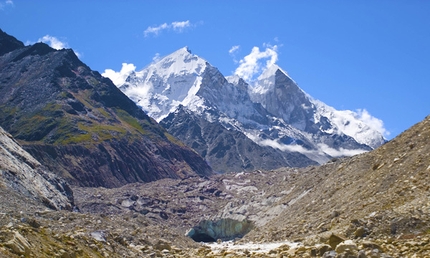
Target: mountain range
[(236, 125), (79, 125), (72, 131)]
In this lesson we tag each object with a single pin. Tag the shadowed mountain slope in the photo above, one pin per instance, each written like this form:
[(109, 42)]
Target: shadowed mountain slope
[(78, 124)]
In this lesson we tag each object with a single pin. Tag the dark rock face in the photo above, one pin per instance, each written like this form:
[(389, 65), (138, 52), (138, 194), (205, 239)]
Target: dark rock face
[(8, 43), (117, 162), (224, 147), (80, 125), (227, 150), (289, 102)]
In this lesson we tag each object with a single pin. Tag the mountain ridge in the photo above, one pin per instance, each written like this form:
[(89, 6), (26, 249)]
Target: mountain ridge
[(273, 113), (78, 123)]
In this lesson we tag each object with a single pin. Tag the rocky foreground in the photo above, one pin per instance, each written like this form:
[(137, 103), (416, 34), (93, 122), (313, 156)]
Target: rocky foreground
[(371, 205)]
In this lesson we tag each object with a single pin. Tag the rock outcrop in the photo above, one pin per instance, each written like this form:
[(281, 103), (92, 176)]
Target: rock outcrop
[(21, 173)]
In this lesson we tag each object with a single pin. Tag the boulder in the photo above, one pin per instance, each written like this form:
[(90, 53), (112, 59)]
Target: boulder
[(334, 240), (322, 249), (359, 232), (19, 245), (371, 245), (347, 246)]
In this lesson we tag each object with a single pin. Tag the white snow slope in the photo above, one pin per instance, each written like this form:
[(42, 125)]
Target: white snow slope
[(273, 112)]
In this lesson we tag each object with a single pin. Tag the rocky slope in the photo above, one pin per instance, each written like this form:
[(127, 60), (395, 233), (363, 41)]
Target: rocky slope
[(22, 174), (79, 125), (227, 150), (375, 204), (371, 205), (186, 94)]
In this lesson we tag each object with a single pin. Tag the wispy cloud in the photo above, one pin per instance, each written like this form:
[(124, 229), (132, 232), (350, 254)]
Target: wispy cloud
[(256, 61), (233, 49), (55, 43), (118, 78), (322, 149), (156, 57), (373, 122), (177, 26), (7, 3), (339, 152)]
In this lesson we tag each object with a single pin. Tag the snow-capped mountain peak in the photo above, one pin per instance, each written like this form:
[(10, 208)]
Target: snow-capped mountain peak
[(270, 71), (273, 112), (164, 85), (181, 61)]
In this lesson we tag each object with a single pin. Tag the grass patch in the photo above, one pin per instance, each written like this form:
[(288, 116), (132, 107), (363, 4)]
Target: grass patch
[(133, 122), (174, 140), (103, 112), (103, 132)]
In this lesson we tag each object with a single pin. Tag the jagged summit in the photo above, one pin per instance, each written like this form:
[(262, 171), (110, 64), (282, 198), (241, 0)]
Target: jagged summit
[(164, 85), (187, 49), (270, 71), (8, 43), (273, 111)]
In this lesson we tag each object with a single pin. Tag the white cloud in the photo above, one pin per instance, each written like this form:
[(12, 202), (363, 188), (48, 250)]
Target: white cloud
[(55, 43), (177, 26), (340, 152), (118, 78), (9, 2), (155, 30), (233, 49), (373, 122), (253, 64), (284, 147), (322, 149), (156, 58)]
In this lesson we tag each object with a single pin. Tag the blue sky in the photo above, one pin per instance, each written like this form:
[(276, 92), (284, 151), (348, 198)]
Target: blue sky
[(372, 55)]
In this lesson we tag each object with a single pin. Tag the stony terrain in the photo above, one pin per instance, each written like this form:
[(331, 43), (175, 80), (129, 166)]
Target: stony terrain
[(375, 204), (371, 205)]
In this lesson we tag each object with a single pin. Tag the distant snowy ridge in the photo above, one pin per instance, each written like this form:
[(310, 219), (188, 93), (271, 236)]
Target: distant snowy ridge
[(272, 112), (350, 123), (340, 121)]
